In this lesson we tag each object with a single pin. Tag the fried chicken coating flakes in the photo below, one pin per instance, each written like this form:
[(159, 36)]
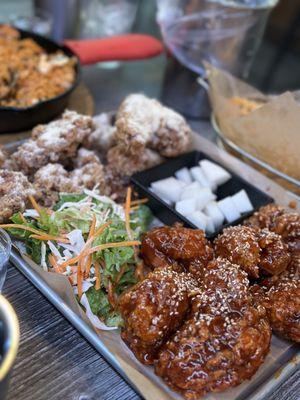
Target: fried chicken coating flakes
[(183, 248), (153, 309), (142, 122), (54, 142), (14, 191), (255, 251), (103, 136), (224, 341)]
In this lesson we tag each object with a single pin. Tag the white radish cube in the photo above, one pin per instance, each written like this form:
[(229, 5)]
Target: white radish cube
[(199, 176), (209, 225), (198, 219), (190, 191), (204, 196), (160, 195), (213, 211), (186, 207), (242, 202), (169, 188), (229, 209), (184, 175), (214, 172)]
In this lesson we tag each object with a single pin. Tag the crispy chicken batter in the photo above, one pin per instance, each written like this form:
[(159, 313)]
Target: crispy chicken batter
[(153, 310), (142, 122), (223, 342), (255, 251), (183, 248), (14, 191), (103, 136), (54, 142)]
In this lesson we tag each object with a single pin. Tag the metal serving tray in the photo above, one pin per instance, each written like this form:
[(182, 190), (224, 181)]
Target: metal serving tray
[(282, 361)]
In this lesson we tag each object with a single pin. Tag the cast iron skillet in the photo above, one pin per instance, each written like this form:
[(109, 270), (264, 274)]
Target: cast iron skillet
[(14, 119)]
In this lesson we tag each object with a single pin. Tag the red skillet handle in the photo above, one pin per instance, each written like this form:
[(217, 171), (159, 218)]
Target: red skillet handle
[(115, 48)]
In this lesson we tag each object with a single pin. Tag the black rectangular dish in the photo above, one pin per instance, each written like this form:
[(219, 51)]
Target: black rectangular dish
[(167, 213)]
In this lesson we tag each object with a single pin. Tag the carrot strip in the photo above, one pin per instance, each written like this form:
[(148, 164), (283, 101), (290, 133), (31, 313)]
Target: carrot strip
[(79, 280), (98, 275), (139, 201), (134, 208), (26, 228), (110, 294), (54, 264), (34, 204), (86, 246), (50, 237), (127, 212), (121, 272), (22, 217), (138, 273), (112, 245)]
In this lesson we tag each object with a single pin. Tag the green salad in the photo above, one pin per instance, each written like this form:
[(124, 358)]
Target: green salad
[(91, 240)]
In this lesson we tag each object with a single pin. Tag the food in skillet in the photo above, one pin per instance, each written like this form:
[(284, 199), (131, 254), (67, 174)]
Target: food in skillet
[(153, 310), (258, 252), (28, 74), (224, 340), (92, 241)]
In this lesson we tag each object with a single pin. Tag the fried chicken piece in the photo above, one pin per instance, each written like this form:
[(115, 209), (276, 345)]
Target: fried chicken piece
[(125, 164), (278, 220), (85, 156), (223, 342), (103, 136), (153, 309), (142, 122), (177, 246), (54, 142), (49, 181), (255, 251), (14, 191), (280, 295), (89, 176)]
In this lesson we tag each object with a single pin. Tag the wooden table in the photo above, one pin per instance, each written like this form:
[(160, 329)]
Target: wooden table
[(55, 362)]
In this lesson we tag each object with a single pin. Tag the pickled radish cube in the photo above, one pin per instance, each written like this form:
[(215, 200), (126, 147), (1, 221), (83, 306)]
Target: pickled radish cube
[(184, 175), (213, 211), (199, 176), (204, 196), (198, 219), (186, 207), (210, 228), (190, 191), (169, 188), (242, 201), (229, 209), (160, 196), (214, 172)]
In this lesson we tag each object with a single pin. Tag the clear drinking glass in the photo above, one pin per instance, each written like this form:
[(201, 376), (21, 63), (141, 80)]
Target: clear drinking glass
[(225, 33), (5, 249), (39, 21)]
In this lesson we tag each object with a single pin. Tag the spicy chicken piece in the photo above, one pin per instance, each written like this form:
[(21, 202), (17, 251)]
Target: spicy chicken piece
[(183, 248), (14, 191), (280, 295), (153, 309), (54, 142), (223, 342), (49, 181), (255, 251), (142, 122), (278, 220)]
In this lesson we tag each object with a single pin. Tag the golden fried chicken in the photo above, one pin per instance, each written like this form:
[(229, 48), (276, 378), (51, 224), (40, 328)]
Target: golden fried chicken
[(54, 142), (223, 342), (103, 136), (49, 181), (153, 309), (183, 248), (14, 191), (89, 176), (255, 251), (142, 122)]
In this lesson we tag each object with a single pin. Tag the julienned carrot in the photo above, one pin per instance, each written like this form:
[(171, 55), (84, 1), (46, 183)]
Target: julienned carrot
[(88, 260), (127, 212), (97, 274), (79, 280), (139, 201), (120, 274), (50, 237), (22, 217), (112, 245), (134, 208), (86, 246), (138, 273), (110, 294), (54, 264), (34, 204), (26, 228)]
